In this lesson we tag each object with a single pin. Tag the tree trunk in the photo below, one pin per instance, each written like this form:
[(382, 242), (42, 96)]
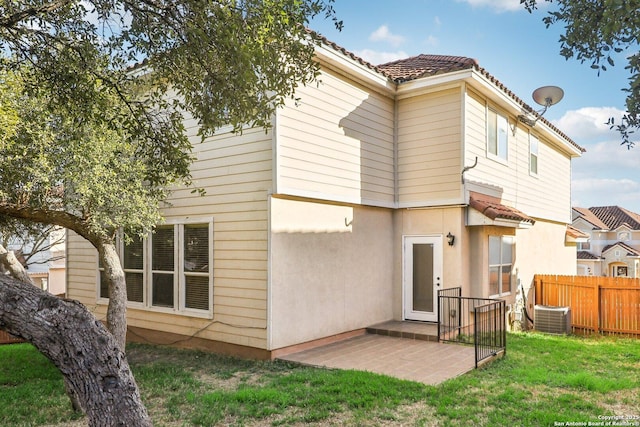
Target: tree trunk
[(114, 275), (10, 264), (86, 354)]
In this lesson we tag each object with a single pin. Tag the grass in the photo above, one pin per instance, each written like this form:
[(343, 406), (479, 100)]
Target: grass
[(543, 380)]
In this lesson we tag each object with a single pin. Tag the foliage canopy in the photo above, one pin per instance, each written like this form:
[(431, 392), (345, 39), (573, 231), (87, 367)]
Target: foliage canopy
[(599, 33), (94, 95)]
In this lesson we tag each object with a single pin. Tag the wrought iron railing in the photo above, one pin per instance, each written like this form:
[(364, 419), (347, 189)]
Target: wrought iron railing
[(477, 321), (489, 330)]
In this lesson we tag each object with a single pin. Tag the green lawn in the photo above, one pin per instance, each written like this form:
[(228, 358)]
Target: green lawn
[(543, 380)]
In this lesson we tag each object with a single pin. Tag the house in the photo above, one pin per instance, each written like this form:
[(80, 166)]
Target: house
[(379, 187), (43, 259), (612, 244)]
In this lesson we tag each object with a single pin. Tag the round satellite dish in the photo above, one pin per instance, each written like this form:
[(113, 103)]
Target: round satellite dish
[(548, 95)]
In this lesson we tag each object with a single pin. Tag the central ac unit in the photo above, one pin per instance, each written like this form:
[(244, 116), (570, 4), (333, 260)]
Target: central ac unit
[(555, 320)]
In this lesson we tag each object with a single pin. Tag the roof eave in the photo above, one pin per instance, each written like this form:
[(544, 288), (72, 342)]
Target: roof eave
[(488, 87), (425, 83), (328, 55), (515, 105)]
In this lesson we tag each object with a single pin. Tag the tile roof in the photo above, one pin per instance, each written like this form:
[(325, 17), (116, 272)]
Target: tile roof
[(426, 65), (630, 251), (588, 216), (609, 217), (493, 209), (423, 65), (586, 255)]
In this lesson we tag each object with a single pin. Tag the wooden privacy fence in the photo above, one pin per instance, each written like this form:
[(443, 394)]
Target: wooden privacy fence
[(7, 338), (598, 304)]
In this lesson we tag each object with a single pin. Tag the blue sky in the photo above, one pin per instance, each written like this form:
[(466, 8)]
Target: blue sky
[(517, 48)]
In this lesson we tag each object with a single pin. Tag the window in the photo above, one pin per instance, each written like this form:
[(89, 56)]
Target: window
[(133, 263), (163, 266), (497, 135), (584, 246), (621, 271), (500, 264), (533, 154), (169, 270), (624, 236)]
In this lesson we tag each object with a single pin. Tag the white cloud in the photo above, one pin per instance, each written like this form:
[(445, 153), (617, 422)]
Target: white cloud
[(376, 57), (383, 34), (497, 5), (588, 123), (607, 174), (431, 41), (609, 157), (589, 192)]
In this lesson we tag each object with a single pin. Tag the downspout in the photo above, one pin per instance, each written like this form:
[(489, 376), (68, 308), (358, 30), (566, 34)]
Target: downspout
[(398, 227), (466, 168), (463, 142), (396, 174), (273, 190)]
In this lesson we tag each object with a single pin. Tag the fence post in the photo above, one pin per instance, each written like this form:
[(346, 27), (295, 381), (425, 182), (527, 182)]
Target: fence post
[(537, 285), (598, 292)]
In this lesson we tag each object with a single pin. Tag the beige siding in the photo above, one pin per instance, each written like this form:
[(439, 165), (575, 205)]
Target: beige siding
[(429, 148), (337, 143), (546, 195), (82, 264), (236, 173)]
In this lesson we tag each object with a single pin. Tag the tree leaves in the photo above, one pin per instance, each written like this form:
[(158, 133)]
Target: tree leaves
[(599, 32), (80, 114)]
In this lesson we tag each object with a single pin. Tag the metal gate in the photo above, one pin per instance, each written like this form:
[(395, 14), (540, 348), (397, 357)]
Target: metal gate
[(477, 321)]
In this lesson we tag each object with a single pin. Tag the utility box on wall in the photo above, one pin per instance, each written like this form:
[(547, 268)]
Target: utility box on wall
[(554, 320)]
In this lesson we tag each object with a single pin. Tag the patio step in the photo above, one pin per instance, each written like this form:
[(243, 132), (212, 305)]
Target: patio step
[(424, 331)]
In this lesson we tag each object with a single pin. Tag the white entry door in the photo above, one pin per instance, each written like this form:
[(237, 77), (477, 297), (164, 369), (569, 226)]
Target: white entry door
[(422, 277)]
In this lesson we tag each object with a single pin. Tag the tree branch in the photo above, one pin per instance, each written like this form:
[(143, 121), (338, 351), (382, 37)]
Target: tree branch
[(14, 19), (47, 216)]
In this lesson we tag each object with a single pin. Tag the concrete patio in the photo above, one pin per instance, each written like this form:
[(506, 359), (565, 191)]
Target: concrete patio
[(406, 350)]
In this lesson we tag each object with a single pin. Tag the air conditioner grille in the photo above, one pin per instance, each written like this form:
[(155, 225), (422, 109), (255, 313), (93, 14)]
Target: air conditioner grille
[(555, 320)]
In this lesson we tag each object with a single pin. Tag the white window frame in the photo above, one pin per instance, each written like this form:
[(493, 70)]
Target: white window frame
[(500, 264), (179, 275), (534, 150), (501, 153), (585, 246)]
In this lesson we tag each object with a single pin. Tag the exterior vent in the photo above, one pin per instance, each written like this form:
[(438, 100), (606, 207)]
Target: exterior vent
[(554, 320)]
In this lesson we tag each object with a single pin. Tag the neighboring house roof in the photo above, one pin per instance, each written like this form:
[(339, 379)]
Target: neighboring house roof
[(590, 217), (630, 251), (585, 255), (609, 217), (493, 209), (423, 65)]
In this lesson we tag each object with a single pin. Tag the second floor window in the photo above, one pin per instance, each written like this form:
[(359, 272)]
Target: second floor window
[(533, 154), (497, 134), (584, 246)]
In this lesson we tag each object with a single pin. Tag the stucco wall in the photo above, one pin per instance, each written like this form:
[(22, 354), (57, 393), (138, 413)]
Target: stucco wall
[(328, 276), (542, 250), (433, 222)]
